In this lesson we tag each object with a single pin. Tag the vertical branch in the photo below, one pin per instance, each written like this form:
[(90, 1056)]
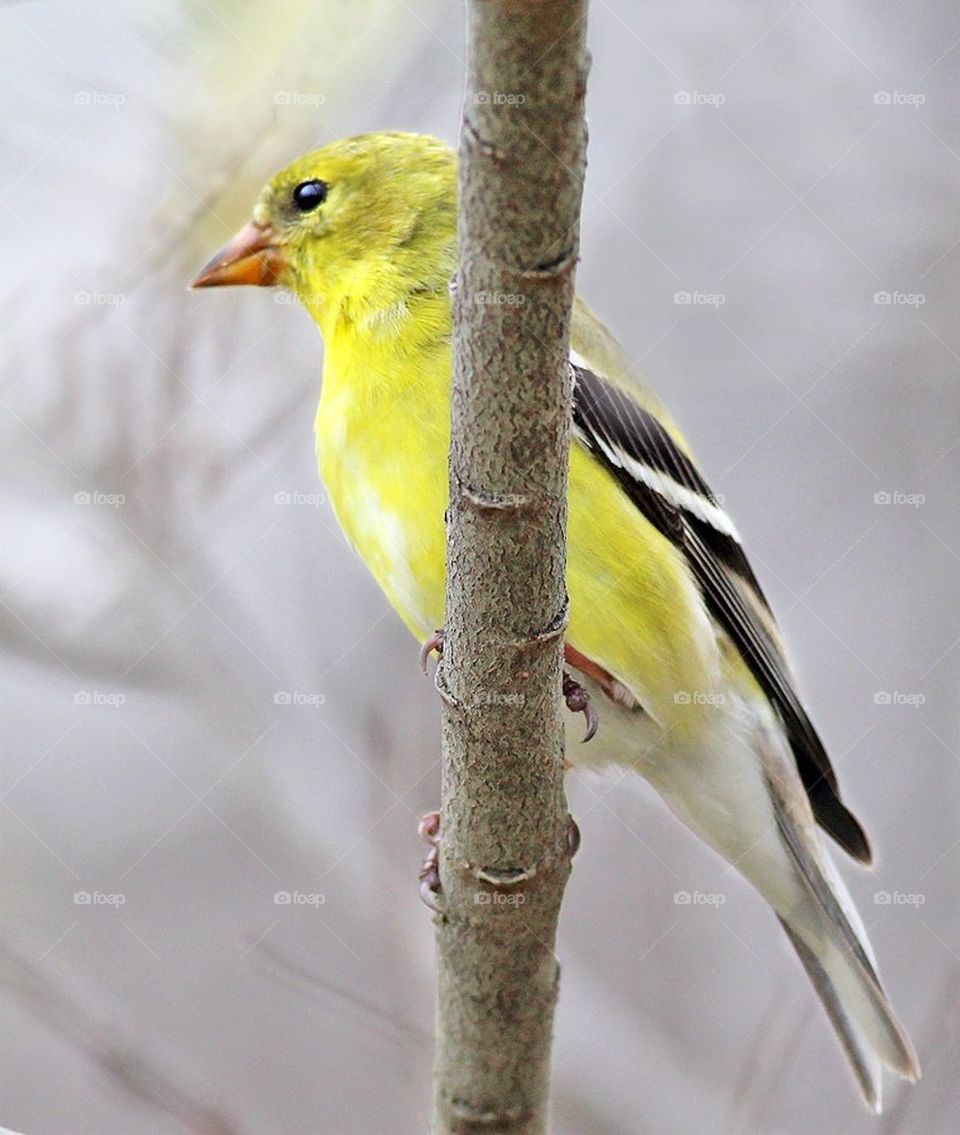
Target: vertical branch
[(505, 852)]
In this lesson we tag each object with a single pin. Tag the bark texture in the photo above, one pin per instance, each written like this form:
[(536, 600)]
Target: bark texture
[(504, 853)]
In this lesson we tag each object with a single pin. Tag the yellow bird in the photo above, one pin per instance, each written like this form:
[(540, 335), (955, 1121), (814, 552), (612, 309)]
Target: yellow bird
[(669, 629)]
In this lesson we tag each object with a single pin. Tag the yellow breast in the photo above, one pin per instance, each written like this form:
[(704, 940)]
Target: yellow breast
[(383, 440)]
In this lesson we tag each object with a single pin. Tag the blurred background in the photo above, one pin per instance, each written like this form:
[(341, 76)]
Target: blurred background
[(216, 739)]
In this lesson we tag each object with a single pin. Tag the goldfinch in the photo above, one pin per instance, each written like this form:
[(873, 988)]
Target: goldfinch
[(669, 631)]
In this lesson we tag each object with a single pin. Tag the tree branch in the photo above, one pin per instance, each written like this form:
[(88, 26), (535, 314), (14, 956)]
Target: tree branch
[(505, 850)]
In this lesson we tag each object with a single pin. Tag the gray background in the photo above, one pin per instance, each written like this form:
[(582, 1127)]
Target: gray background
[(135, 140)]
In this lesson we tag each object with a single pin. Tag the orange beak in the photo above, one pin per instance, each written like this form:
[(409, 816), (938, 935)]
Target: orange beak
[(253, 256)]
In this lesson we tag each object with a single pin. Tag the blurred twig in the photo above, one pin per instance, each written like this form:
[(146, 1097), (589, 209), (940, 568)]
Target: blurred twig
[(122, 1059)]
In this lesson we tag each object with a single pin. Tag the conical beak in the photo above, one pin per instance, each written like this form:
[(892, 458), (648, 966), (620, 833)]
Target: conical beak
[(253, 256)]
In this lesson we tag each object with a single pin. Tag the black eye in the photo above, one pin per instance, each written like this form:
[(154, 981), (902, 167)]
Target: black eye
[(309, 194)]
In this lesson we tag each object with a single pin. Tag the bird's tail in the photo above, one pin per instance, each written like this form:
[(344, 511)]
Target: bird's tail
[(831, 941)]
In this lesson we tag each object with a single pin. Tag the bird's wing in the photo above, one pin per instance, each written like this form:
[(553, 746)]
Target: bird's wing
[(662, 481)]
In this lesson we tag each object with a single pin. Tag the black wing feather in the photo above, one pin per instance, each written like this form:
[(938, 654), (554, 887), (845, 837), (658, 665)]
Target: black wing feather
[(611, 424)]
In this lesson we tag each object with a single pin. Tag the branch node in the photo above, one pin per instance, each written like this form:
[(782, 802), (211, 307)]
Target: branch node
[(503, 878), (552, 631), (557, 267)]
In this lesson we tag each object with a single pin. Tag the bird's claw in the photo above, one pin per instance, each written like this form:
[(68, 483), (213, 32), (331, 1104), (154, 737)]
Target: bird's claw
[(433, 643), (429, 878), (429, 828), (575, 695), (578, 701), (429, 885)]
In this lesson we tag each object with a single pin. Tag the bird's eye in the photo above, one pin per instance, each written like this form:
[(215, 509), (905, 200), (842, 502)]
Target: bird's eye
[(309, 194)]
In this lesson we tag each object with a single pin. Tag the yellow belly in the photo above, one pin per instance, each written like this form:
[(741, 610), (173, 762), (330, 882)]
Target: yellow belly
[(633, 607), (383, 459)]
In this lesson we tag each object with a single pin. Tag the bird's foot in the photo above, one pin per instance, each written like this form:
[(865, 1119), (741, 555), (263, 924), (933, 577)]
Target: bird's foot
[(433, 643), (578, 701), (429, 878), (429, 828), (575, 695)]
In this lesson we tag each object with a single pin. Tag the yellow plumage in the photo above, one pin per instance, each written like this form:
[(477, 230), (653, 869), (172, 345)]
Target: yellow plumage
[(383, 445), (669, 631), (379, 290)]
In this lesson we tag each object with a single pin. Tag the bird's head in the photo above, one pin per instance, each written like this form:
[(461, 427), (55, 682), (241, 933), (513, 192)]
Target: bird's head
[(366, 219)]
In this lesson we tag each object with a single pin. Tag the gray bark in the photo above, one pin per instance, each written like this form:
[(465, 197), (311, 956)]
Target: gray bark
[(504, 852)]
